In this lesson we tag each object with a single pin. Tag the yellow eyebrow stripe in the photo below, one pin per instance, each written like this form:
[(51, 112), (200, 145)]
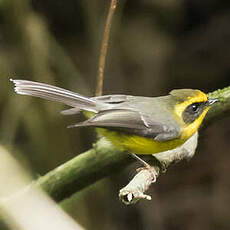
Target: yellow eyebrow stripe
[(179, 108)]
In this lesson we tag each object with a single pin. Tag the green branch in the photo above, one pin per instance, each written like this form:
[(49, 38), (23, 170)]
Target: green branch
[(88, 167), (103, 159), (221, 109)]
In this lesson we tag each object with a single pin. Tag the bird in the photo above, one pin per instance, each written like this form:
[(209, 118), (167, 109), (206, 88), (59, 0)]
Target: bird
[(136, 124)]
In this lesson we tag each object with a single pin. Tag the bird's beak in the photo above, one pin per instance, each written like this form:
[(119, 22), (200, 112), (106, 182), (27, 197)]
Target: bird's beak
[(212, 101)]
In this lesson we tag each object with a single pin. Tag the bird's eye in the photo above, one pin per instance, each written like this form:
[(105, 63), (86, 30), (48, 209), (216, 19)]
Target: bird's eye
[(193, 111), (195, 107)]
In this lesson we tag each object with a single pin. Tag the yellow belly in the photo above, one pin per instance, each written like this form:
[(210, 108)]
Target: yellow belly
[(137, 144)]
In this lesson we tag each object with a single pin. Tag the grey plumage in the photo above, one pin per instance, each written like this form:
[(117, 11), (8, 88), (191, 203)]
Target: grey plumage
[(110, 99), (130, 114)]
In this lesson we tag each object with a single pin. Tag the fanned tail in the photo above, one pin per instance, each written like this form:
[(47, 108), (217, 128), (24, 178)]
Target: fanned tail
[(54, 93)]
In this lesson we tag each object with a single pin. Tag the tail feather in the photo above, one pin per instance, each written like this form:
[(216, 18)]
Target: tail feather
[(54, 93), (71, 111)]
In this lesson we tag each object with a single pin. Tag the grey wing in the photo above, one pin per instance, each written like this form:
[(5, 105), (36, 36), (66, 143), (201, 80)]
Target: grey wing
[(108, 99), (133, 122)]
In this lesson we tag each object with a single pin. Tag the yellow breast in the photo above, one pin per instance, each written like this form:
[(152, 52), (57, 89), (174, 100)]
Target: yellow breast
[(138, 144), (145, 145)]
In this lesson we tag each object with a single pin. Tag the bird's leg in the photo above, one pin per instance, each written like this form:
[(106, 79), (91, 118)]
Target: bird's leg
[(141, 160), (146, 166)]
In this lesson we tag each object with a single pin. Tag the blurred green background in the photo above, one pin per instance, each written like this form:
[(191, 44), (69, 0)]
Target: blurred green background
[(155, 46)]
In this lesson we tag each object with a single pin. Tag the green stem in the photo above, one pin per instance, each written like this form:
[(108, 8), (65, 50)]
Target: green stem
[(100, 161)]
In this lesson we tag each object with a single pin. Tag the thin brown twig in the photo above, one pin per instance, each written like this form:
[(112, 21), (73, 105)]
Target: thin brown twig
[(104, 47)]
